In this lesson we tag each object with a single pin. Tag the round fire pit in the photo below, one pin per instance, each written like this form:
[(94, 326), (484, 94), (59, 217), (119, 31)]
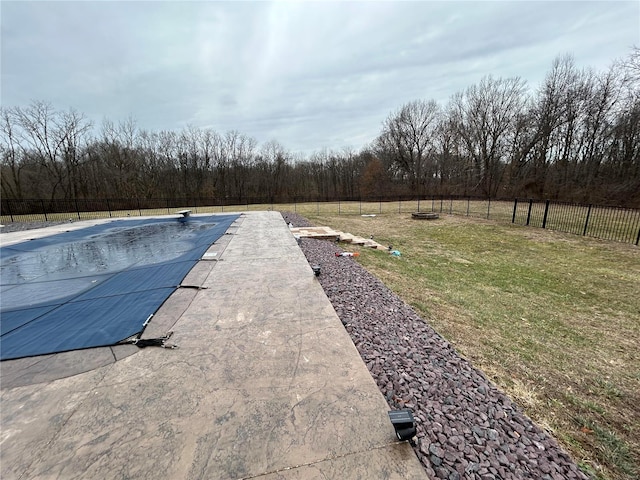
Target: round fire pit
[(425, 216)]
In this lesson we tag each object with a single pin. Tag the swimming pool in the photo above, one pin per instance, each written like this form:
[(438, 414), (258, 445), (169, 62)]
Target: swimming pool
[(97, 286)]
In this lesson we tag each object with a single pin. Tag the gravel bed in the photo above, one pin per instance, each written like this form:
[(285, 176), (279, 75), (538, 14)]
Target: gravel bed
[(467, 428)]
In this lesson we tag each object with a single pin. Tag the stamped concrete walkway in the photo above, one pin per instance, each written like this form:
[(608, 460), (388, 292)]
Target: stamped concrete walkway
[(266, 384)]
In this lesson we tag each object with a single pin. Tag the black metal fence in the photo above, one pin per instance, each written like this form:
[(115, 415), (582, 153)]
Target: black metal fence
[(609, 223)]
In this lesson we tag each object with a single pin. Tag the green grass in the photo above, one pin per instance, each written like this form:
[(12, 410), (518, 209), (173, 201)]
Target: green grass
[(615, 224), (553, 319), (499, 210)]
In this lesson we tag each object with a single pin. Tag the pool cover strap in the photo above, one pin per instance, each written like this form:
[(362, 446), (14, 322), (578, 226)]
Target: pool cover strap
[(153, 342)]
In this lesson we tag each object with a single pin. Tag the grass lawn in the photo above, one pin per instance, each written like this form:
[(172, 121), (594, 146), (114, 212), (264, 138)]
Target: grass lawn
[(553, 319)]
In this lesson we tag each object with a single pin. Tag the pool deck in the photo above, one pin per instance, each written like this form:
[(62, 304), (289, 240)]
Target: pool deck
[(266, 384)]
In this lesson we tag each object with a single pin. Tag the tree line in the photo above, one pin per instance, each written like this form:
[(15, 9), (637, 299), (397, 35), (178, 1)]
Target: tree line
[(574, 138)]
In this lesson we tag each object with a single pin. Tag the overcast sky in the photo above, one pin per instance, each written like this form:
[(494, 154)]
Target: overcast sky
[(308, 74)]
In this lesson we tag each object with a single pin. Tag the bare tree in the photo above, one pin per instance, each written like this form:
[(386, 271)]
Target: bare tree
[(407, 137), (12, 158), (72, 129), (192, 170), (209, 140), (539, 129), (120, 158), (631, 66), (450, 175), (39, 136), (484, 117), (274, 169), (239, 157), (54, 140)]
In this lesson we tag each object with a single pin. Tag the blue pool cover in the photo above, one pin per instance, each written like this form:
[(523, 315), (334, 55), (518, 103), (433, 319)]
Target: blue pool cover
[(96, 286)]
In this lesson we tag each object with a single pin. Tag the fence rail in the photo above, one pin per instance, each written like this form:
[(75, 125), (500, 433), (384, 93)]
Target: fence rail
[(608, 223)]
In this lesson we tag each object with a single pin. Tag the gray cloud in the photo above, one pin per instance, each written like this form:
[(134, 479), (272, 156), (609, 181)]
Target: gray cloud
[(307, 74)]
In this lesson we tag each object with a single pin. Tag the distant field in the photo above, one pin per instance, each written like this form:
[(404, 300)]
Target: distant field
[(601, 222), (553, 319)]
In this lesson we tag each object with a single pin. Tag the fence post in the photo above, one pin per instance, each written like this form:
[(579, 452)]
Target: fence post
[(339, 212), (488, 208), (586, 222), (77, 208), (139, 208), (529, 212), (441, 200), (546, 212), (450, 205), (515, 207), (44, 211), (168, 212), (418, 204), (399, 204), (468, 205), (360, 205)]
